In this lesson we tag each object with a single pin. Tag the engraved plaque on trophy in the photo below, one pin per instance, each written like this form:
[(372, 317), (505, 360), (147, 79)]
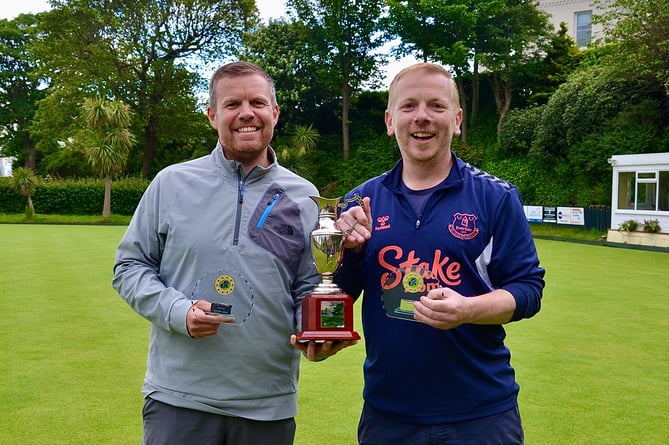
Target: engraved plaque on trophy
[(327, 313)]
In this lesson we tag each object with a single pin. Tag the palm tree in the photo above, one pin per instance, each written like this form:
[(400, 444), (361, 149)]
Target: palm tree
[(303, 139), (107, 140), (25, 182)]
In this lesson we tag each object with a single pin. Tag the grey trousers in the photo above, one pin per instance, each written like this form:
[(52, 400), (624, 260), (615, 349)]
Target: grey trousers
[(166, 424)]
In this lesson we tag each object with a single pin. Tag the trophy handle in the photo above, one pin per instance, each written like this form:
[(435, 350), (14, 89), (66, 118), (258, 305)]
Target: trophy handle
[(332, 207), (345, 202)]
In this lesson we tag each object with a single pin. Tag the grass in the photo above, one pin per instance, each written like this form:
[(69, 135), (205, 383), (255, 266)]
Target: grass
[(41, 218), (593, 365), (72, 355), (547, 230), (565, 231)]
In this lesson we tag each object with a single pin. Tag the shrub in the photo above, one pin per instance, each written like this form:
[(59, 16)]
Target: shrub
[(651, 225), (628, 226), (518, 131), (577, 108), (10, 201), (75, 196)]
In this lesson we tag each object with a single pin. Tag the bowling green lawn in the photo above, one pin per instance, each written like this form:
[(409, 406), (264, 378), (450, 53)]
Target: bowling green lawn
[(593, 365)]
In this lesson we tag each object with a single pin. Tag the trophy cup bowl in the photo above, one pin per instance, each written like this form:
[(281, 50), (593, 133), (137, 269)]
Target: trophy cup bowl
[(327, 313)]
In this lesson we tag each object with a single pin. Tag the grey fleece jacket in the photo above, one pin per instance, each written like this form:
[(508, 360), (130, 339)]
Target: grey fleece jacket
[(205, 230)]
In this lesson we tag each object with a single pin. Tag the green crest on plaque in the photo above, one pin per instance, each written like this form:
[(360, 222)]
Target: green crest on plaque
[(412, 281), (224, 284)]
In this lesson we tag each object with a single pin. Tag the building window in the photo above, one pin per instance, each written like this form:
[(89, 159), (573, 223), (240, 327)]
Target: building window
[(626, 190), (663, 191), (643, 190), (646, 190), (583, 28)]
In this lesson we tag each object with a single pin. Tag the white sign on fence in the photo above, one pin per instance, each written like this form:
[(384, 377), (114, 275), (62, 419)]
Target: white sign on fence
[(571, 215), (534, 213)]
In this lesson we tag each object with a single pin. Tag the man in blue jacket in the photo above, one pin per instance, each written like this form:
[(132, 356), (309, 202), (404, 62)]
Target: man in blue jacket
[(445, 257)]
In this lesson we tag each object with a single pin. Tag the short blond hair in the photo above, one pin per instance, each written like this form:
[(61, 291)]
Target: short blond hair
[(428, 68)]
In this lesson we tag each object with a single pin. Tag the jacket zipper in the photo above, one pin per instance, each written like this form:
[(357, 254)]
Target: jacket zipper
[(240, 201), (265, 214)]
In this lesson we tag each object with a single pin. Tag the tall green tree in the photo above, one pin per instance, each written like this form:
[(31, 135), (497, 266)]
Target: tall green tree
[(280, 47), (438, 31), (508, 37), (542, 76), (137, 52), (465, 34), (640, 30), (106, 140), (344, 40), (433, 29), (20, 88)]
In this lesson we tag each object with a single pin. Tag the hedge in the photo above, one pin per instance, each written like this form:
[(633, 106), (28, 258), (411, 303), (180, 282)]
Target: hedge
[(75, 196)]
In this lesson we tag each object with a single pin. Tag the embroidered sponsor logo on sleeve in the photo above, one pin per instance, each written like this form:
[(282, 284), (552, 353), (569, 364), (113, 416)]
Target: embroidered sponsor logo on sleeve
[(464, 226)]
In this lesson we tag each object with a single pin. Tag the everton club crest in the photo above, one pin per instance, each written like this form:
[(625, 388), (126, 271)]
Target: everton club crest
[(464, 226)]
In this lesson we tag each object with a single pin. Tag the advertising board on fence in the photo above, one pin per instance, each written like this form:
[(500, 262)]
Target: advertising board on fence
[(550, 215), (533, 213), (570, 215), (561, 215), (589, 218)]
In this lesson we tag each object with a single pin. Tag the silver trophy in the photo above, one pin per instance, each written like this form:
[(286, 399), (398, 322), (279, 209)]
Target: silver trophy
[(327, 313)]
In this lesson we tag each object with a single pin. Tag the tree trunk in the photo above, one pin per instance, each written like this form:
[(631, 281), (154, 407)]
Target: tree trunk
[(502, 90), (150, 145), (463, 105), (31, 158), (475, 90), (345, 105), (31, 208), (106, 207)]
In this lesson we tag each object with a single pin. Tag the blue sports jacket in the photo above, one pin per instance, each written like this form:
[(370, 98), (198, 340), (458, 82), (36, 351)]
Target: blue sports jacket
[(473, 237)]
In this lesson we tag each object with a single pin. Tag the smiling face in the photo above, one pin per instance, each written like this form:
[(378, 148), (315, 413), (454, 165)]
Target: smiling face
[(244, 114), (423, 114)]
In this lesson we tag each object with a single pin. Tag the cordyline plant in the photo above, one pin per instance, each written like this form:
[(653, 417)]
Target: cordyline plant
[(25, 182), (106, 140)]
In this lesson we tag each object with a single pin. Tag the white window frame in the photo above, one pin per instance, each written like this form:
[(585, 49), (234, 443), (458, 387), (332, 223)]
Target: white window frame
[(583, 32), (641, 179)]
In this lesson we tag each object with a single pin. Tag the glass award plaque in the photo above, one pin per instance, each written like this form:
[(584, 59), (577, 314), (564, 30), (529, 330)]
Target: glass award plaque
[(229, 292), (403, 288)]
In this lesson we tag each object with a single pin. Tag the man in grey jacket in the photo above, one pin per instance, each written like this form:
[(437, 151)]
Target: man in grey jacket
[(230, 228)]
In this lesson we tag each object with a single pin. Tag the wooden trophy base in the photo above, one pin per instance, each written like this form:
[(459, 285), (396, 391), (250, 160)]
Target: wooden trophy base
[(327, 317)]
